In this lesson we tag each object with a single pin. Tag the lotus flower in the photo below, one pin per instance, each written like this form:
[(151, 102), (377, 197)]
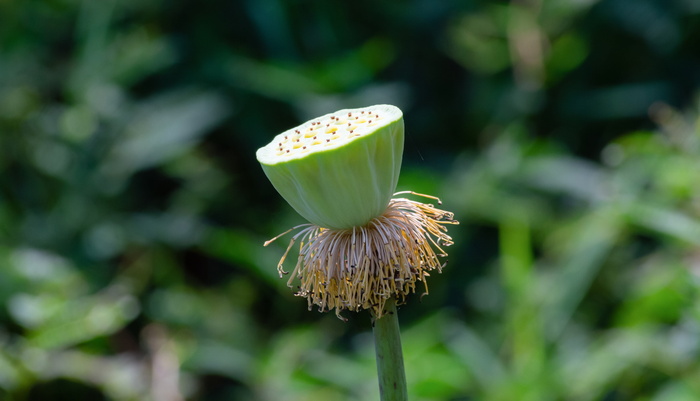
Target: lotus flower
[(361, 246)]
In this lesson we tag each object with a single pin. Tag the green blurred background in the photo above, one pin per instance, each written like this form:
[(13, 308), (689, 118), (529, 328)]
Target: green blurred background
[(564, 134)]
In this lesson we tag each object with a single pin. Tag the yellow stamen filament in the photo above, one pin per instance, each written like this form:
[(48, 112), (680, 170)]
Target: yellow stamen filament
[(362, 267)]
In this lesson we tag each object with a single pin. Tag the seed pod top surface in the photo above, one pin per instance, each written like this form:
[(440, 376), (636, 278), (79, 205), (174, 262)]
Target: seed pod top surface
[(339, 170)]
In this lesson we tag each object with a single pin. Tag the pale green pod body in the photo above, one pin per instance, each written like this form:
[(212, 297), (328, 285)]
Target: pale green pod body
[(339, 170)]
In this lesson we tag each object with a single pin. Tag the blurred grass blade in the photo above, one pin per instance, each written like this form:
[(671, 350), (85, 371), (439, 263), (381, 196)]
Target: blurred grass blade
[(475, 353), (165, 126), (583, 256)]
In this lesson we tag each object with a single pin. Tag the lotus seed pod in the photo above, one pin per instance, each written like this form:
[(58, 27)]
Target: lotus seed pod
[(340, 170)]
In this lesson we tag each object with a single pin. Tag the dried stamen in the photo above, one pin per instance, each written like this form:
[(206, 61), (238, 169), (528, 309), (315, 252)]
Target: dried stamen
[(362, 267)]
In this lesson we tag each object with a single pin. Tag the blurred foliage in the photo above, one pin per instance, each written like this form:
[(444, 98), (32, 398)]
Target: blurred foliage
[(564, 134)]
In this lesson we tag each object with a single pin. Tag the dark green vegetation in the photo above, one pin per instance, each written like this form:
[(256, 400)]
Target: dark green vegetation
[(562, 133)]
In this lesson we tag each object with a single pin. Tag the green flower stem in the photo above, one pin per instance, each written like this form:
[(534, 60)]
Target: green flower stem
[(387, 342)]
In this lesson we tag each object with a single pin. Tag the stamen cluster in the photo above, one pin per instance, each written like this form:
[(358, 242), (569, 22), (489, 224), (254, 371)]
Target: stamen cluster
[(361, 267)]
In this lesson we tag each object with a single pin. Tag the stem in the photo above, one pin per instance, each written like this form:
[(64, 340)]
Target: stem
[(387, 343)]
